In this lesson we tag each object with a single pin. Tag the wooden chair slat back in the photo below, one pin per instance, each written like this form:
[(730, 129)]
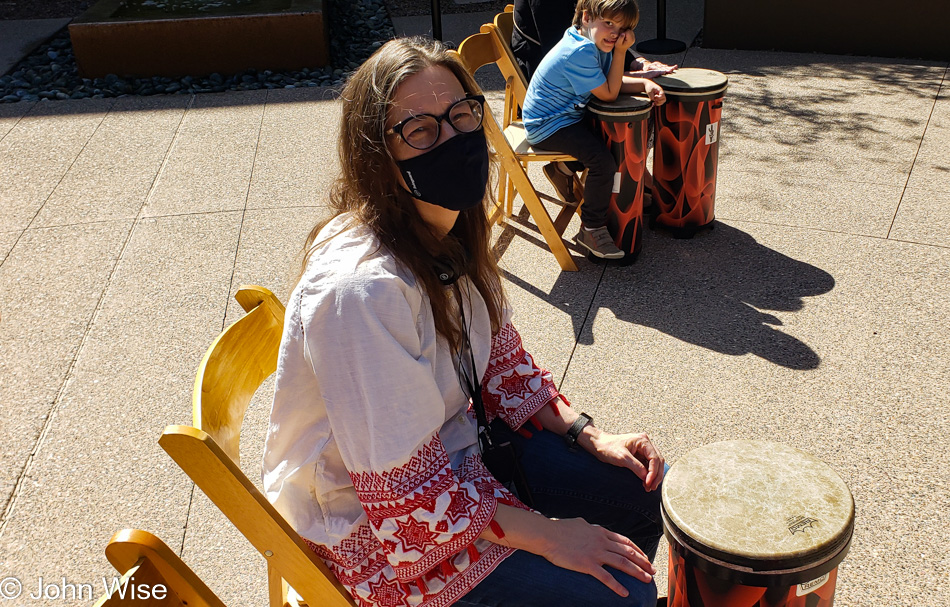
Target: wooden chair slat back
[(234, 367), (505, 22)]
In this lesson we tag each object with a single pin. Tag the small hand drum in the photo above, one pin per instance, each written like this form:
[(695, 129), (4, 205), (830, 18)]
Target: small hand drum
[(754, 524)]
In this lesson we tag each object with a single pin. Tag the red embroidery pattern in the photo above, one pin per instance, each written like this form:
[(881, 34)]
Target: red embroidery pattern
[(386, 593), (397, 483), (460, 507), (414, 535), (372, 586), (514, 387), (506, 351)]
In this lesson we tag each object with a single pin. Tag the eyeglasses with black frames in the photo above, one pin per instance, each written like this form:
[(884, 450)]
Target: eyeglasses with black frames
[(422, 131)]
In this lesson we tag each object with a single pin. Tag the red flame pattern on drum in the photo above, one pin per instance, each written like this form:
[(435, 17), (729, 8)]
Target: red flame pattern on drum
[(628, 144), (692, 587), (684, 164)]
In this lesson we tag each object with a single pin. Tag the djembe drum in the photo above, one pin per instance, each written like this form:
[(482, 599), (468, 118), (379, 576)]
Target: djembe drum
[(623, 124), (686, 150), (754, 524)]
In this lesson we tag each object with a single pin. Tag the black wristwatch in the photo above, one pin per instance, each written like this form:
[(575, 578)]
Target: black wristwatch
[(570, 437)]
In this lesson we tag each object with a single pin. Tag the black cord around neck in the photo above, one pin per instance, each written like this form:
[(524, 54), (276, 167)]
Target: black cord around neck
[(469, 384)]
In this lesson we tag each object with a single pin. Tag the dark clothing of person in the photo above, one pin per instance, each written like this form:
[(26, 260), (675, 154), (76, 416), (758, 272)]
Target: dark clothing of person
[(580, 141), (538, 29)]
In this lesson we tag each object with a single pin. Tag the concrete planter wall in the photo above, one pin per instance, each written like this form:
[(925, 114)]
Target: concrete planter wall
[(290, 39), (883, 28)]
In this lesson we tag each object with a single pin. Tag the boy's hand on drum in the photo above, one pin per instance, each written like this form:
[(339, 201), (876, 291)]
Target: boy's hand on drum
[(579, 546), (633, 451), (655, 92)]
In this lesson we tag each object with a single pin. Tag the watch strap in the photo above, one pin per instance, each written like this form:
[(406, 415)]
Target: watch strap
[(570, 437)]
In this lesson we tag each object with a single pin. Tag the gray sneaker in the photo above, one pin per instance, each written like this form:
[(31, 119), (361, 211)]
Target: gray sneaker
[(599, 242)]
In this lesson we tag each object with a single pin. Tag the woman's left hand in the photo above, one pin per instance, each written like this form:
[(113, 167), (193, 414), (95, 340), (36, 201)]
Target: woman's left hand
[(633, 451)]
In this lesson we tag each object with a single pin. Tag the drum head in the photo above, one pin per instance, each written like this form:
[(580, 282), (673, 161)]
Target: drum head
[(758, 504), (625, 108), (691, 80)]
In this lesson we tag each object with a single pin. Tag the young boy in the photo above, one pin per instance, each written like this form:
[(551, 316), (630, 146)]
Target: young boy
[(588, 61)]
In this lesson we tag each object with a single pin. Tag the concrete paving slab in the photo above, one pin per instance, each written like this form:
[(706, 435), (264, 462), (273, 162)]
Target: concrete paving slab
[(804, 337), (210, 163), (853, 207), (828, 116), (52, 282), (923, 217), (932, 165), (118, 166), (270, 251), (100, 468), (534, 281), (18, 38), (10, 115), (39, 150), (296, 155)]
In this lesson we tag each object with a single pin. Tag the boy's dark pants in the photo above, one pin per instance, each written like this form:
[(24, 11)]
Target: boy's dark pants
[(580, 141)]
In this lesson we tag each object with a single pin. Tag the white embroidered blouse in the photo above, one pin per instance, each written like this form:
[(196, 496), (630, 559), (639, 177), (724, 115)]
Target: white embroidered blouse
[(371, 452)]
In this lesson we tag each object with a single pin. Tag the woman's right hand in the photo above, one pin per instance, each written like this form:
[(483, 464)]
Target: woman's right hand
[(579, 546)]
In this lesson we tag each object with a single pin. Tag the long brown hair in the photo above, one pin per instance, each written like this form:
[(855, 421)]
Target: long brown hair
[(368, 187)]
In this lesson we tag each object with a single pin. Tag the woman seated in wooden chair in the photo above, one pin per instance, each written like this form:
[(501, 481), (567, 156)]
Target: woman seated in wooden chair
[(400, 367)]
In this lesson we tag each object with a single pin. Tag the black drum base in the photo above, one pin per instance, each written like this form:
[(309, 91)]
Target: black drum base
[(683, 233), (661, 46)]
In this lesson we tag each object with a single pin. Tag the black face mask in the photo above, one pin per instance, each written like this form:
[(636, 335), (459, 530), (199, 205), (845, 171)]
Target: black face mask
[(453, 175)]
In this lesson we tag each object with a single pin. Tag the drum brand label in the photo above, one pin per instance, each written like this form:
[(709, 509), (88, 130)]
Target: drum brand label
[(799, 523), (712, 133), (807, 587), (618, 177)]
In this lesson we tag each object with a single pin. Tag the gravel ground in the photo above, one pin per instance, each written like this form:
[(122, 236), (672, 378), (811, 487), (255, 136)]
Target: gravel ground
[(358, 27)]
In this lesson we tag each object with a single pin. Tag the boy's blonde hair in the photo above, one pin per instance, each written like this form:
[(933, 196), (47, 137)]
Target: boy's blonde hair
[(625, 10)]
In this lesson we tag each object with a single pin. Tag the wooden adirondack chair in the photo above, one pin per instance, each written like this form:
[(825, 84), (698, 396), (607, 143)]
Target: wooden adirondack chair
[(233, 368)]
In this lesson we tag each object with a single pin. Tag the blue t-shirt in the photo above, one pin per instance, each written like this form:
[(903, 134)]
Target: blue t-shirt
[(562, 85)]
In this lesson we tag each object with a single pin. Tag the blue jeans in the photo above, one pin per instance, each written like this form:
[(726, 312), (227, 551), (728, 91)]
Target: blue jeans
[(568, 484)]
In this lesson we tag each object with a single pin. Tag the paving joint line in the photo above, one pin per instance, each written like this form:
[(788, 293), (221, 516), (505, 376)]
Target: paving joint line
[(917, 153), (57, 401), (18, 121), (227, 302), (58, 182), (577, 337)]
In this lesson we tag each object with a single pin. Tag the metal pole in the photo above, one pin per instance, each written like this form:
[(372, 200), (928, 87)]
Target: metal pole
[(436, 20), (661, 45)]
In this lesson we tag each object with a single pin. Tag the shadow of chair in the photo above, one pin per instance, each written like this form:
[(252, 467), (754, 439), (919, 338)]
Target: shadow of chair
[(151, 574), (477, 51), (232, 370)]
